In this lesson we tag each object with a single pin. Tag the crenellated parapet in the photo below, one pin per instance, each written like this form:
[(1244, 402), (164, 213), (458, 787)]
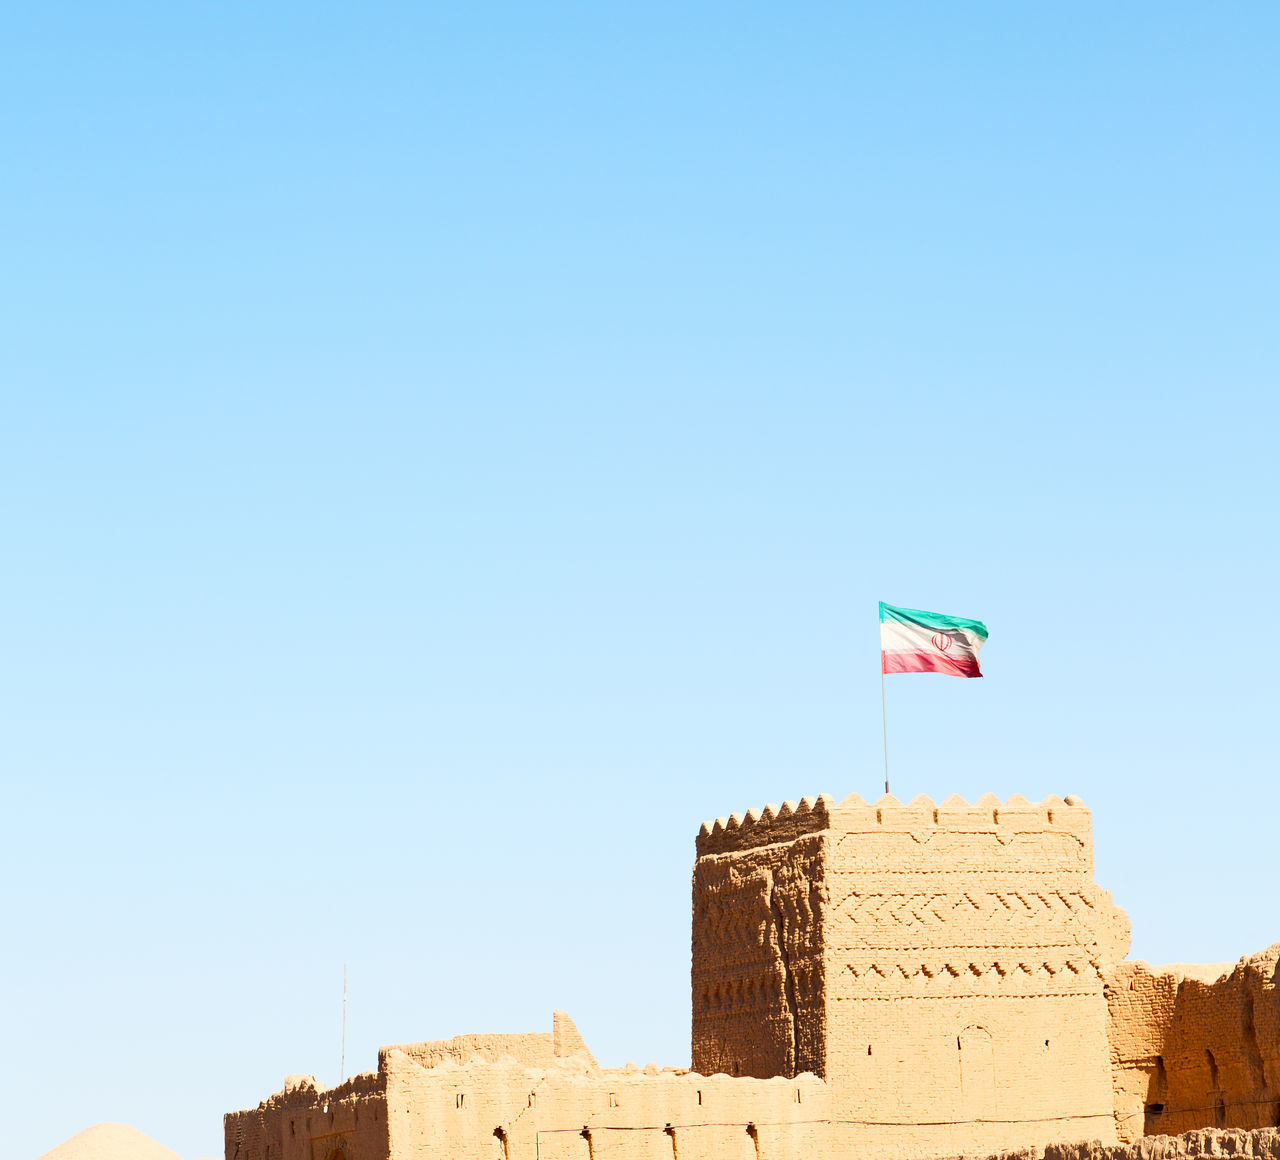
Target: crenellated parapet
[(785, 823), (765, 827)]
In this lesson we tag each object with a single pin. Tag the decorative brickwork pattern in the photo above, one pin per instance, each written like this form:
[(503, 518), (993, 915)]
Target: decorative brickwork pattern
[(952, 969)]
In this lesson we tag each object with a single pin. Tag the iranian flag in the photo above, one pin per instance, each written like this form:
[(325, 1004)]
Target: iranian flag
[(912, 641)]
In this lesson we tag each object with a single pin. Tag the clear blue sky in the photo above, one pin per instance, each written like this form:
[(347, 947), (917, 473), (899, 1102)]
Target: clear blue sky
[(449, 451)]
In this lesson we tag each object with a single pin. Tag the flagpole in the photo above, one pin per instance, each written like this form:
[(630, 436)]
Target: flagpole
[(884, 723)]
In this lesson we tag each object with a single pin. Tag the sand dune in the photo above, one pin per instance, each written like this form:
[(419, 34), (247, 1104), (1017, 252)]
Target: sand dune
[(110, 1142)]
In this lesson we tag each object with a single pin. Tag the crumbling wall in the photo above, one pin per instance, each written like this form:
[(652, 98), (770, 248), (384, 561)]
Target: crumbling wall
[(533, 1049), (306, 1121), (757, 978), (1195, 1047), (1263, 1144), (1259, 1144)]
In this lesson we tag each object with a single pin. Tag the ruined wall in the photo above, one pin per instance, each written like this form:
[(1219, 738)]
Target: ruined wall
[(533, 1049), (1256, 1144), (1195, 1047), (757, 978), (1263, 1144), (308, 1122), (946, 961)]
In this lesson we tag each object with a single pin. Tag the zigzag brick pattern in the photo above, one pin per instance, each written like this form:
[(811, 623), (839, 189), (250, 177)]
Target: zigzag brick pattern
[(952, 968)]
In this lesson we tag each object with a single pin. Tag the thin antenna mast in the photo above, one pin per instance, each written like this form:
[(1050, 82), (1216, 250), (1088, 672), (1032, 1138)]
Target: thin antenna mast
[(342, 1068)]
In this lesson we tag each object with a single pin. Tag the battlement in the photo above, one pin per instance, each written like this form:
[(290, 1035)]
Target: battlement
[(764, 827), (853, 814)]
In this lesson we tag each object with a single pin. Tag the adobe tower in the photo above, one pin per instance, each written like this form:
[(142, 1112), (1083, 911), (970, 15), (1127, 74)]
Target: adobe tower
[(940, 966)]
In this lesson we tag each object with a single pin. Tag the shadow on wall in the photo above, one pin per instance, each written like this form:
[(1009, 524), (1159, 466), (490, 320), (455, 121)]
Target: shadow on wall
[(1196, 1047)]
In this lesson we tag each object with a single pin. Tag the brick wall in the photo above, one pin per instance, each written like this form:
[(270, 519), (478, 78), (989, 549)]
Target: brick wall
[(1195, 1047), (940, 964)]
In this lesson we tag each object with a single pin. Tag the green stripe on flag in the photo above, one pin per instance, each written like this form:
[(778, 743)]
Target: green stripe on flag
[(937, 620)]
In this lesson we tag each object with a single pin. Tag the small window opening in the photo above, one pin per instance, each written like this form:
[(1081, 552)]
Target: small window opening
[(460, 1100), (797, 1095), (533, 1099), (868, 1049), (1220, 1113), (699, 1099), (613, 1099)]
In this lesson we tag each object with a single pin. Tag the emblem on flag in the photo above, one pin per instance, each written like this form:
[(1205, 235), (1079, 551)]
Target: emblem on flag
[(914, 641)]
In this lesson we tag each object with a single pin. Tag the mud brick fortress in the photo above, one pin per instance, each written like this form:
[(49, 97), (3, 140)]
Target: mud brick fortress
[(869, 980)]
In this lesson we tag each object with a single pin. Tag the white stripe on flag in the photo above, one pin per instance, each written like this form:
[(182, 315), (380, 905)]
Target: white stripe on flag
[(895, 636)]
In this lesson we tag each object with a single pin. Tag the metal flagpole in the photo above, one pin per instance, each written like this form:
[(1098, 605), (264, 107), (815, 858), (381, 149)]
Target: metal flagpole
[(884, 722)]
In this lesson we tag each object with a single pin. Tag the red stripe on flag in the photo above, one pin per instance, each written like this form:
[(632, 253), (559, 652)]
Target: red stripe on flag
[(964, 665)]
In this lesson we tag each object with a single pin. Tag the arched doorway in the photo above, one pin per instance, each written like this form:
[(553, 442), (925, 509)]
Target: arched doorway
[(977, 1073)]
